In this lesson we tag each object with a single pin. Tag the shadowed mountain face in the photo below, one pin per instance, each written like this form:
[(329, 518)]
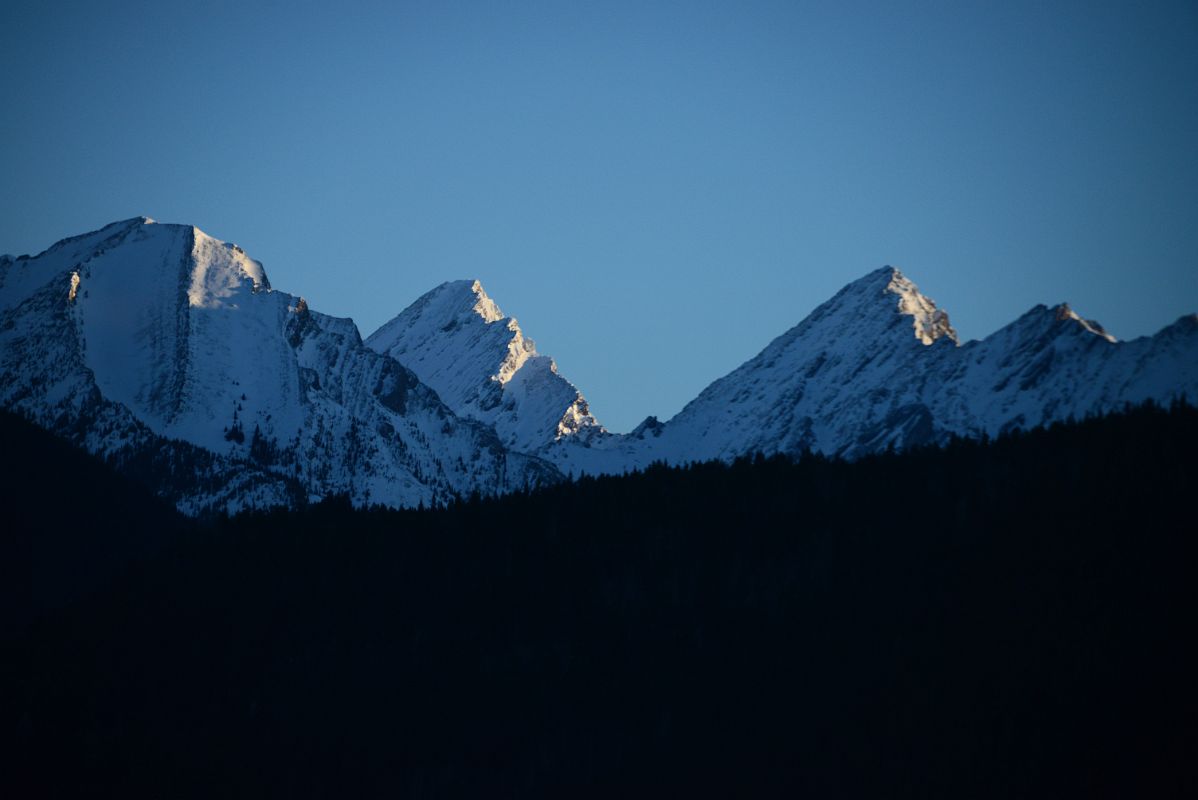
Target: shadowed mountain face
[(140, 336), (167, 351)]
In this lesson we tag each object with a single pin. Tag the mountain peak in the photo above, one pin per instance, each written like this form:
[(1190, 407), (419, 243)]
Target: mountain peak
[(160, 342), (454, 301), (121, 225), (878, 290), (1063, 313), (139, 334), (484, 306), (220, 270), (457, 340), (930, 323), (131, 222)]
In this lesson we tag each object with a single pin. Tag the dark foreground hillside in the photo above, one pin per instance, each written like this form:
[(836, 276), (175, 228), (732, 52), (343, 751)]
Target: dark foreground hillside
[(1004, 620), (71, 524)]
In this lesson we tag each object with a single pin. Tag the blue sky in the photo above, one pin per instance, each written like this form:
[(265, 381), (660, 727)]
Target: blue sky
[(655, 190)]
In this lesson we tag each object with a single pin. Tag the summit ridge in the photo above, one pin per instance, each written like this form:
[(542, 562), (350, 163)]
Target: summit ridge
[(169, 353)]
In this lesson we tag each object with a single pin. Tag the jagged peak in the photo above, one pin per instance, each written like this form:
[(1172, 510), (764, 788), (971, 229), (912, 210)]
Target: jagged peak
[(459, 302), (461, 343), (468, 295), (1063, 313), (459, 305), (929, 323), (455, 300), (484, 306)]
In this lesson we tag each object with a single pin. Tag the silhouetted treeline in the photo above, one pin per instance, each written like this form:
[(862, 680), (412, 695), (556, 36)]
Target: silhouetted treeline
[(72, 523), (1003, 619)]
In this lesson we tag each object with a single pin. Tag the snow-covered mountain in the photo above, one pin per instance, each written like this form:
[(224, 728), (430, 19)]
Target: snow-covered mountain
[(878, 365), (167, 352), (457, 341)]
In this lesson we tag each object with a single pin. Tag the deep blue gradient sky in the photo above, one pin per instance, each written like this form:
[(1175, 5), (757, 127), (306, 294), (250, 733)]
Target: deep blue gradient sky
[(655, 190)]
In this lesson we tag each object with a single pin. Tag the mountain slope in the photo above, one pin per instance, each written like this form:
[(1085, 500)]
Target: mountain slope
[(141, 334), (480, 363), (989, 621), (168, 353), (859, 363), (879, 366)]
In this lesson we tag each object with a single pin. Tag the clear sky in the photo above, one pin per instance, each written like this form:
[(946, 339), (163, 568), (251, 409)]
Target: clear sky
[(655, 190)]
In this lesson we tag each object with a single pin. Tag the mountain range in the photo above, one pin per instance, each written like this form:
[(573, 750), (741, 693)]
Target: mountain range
[(168, 353)]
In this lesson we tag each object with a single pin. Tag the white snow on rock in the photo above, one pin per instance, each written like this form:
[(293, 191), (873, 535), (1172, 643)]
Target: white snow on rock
[(851, 379), (141, 334), (168, 353), (483, 367)]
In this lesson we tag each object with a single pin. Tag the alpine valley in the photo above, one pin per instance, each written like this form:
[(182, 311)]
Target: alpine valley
[(168, 354)]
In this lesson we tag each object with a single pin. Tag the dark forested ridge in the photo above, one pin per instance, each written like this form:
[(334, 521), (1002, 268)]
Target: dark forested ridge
[(72, 523), (1013, 618)]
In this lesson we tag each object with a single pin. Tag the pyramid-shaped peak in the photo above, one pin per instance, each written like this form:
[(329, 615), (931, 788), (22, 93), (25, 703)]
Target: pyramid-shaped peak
[(458, 308), (870, 284), (1064, 313), (458, 341), (879, 289), (454, 299)]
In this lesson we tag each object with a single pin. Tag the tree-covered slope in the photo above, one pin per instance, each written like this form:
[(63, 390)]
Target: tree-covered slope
[(1001, 619)]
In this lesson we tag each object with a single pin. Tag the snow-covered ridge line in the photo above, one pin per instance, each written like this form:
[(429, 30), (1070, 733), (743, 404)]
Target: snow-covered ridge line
[(851, 379), (141, 333)]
